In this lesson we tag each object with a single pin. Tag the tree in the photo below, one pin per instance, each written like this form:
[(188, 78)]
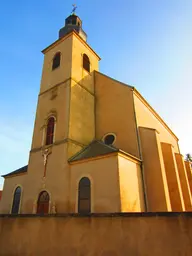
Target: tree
[(188, 158)]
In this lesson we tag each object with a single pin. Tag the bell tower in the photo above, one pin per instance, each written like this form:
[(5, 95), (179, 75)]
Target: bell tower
[(65, 115)]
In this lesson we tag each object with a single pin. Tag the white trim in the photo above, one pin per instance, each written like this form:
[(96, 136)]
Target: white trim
[(13, 194), (110, 133), (77, 192)]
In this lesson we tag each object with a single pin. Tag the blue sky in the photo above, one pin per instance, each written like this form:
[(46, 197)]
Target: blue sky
[(144, 43)]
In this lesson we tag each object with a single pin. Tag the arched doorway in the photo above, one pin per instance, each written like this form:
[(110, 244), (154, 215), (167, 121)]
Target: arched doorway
[(16, 201), (43, 203)]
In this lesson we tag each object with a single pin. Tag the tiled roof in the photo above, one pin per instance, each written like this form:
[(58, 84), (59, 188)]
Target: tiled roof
[(96, 148), (21, 170)]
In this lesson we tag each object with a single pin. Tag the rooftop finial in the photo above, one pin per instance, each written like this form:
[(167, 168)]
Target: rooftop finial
[(74, 8)]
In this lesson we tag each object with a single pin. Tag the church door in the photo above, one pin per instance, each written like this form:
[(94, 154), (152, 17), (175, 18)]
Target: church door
[(43, 203)]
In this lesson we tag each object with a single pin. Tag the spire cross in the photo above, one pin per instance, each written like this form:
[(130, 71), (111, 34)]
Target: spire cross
[(74, 8)]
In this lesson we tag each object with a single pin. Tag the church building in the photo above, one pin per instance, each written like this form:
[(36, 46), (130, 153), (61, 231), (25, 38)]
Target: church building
[(97, 145)]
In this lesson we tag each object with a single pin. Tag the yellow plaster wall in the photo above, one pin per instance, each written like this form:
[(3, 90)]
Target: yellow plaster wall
[(146, 118), (82, 118), (80, 75), (189, 174), (96, 236), (60, 74), (73, 148), (173, 181), (131, 189), (115, 113), (56, 182), (10, 184), (154, 171), (57, 106), (104, 177), (184, 182)]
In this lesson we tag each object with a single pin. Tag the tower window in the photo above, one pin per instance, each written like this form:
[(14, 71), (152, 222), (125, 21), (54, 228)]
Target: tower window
[(109, 139), (56, 61), (86, 63), (84, 196), (50, 130), (16, 201), (43, 203)]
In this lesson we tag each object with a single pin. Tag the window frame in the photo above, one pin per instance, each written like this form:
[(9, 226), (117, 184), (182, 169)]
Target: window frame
[(107, 134), (89, 198), (53, 67), (86, 62), (48, 202), (46, 130), (13, 199)]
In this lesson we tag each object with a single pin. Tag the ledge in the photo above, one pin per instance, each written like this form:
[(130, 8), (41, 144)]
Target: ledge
[(101, 215)]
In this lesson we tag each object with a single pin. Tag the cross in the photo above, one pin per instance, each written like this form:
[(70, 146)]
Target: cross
[(74, 8), (45, 157)]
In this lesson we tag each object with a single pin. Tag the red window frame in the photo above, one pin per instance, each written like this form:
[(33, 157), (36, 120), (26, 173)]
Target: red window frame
[(50, 130), (43, 203)]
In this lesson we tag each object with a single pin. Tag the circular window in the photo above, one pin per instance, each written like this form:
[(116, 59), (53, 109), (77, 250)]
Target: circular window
[(109, 139)]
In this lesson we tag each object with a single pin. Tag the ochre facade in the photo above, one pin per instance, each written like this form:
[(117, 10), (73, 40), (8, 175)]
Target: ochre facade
[(142, 169)]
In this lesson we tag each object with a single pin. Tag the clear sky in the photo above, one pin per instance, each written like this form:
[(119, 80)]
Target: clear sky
[(144, 43)]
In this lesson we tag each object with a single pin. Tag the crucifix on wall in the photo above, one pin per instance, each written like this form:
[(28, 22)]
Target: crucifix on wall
[(45, 155)]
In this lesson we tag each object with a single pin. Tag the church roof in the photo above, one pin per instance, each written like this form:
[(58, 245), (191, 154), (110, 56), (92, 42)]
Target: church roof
[(95, 148), (18, 171)]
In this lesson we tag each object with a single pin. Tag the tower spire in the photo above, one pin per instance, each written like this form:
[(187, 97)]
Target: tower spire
[(73, 23)]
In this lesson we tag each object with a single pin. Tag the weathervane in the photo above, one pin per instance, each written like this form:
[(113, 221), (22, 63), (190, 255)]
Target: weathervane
[(74, 8)]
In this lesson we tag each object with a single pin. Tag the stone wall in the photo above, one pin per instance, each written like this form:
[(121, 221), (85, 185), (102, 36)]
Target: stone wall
[(97, 234)]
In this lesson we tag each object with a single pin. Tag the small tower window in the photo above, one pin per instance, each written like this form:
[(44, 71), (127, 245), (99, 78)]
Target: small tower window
[(84, 196), (56, 61), (50, 130), (109, 139), (16, 201), (86, 63)]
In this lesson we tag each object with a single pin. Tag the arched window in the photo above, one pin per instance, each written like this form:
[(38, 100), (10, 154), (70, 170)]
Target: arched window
[(43, 203), (50, 130), (56, 60), (84, 196), (16, 201), (86, 63)]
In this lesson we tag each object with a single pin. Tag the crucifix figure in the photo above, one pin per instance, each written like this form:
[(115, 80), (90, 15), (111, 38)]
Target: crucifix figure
[(74, 8), (45, 157)]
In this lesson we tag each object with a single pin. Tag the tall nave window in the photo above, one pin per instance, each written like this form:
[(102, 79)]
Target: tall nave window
[(84, 196), (16, 201)]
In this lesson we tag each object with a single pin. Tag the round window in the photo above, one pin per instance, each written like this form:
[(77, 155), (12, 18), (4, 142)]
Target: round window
[(109, 139)]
